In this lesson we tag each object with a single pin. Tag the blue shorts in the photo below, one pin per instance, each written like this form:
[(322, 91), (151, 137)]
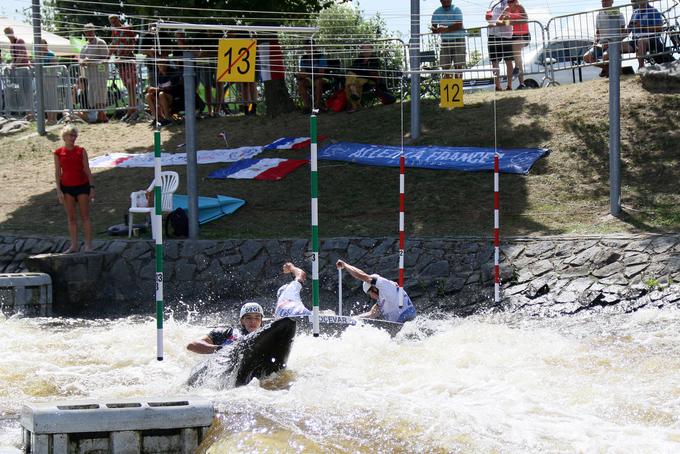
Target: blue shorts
[(407, 315)]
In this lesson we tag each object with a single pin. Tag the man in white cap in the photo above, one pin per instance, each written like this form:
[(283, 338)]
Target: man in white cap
[(251, 320), (386, 294)]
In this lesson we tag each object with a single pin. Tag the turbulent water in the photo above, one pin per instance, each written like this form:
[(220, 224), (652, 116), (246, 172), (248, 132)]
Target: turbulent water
[(494, 383)]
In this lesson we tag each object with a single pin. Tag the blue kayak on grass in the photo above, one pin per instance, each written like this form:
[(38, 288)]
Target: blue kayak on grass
[(209, 208)]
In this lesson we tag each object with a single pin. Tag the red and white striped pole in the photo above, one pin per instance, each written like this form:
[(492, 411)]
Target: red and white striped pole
[(401, 228), (496, 230)]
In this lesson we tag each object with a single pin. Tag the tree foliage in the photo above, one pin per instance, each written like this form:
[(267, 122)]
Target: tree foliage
[(69, 15)]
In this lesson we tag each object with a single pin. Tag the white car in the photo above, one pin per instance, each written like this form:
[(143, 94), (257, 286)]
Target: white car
[(558, 62)]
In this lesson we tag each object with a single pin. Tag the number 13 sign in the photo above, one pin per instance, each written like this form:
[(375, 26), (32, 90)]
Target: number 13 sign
[(451, 93), (236, 60)]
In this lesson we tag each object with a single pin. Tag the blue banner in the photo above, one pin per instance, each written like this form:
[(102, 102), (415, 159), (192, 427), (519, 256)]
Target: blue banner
[(466, 159)]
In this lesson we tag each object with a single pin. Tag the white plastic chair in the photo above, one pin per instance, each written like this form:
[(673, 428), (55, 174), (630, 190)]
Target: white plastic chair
[(169, 183)]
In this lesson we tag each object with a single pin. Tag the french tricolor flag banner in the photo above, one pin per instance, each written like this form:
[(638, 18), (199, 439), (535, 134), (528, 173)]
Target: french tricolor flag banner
[(291, 143), (271, 169)]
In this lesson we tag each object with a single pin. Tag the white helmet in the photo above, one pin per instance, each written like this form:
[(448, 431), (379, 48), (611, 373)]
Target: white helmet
[(367, 286), (251, 308)]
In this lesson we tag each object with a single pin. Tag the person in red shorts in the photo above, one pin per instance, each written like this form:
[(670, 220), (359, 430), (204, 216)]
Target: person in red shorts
[(74, 186), (122, 46)]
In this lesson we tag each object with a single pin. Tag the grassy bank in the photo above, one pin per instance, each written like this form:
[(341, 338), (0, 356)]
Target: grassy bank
[(566, 192)]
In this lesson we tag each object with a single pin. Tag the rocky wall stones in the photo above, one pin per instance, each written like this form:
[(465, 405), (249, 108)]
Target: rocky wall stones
[(453, 274)]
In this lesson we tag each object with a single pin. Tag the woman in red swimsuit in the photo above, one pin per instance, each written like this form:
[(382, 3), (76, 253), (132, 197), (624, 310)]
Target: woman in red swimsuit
[(74, 186)]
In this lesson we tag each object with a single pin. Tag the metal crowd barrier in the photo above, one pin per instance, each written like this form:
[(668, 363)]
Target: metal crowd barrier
[(571, 36), (73, 89), (477, 58), (17, 90)]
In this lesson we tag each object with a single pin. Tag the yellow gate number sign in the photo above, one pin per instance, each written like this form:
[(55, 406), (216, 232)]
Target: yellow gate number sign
[(236, 60), (451, 93)]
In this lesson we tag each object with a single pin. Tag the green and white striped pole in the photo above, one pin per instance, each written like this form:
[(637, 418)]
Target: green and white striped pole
[(158, 235), (315, 227)]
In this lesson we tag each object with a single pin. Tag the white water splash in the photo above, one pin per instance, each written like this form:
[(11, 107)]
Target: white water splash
[(488, 383)]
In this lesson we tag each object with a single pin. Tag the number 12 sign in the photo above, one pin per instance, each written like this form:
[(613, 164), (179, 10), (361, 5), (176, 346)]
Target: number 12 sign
[(451, 93), (236, 60)]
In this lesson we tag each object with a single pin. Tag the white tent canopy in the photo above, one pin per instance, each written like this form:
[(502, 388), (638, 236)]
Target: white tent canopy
[(55, 43)]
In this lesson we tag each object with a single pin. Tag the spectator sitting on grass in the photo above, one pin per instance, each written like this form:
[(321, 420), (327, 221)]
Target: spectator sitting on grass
[(609, 26), (309, 63), (166, 96), (645, 25), (364, 70)]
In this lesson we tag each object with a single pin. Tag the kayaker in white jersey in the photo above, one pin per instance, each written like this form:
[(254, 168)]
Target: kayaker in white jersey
[(288, 301), (386, 294)]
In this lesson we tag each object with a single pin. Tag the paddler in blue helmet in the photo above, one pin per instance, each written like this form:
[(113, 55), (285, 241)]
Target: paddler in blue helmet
[(385, 293), (250, 317)]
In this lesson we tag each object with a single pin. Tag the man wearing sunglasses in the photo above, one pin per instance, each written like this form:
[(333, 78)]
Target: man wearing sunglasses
[(385, 293)]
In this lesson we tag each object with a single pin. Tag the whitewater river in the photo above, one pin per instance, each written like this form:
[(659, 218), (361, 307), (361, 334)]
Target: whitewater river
[(493, 383)]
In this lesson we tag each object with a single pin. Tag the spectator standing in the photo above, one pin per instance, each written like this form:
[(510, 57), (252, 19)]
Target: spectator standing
[(365, 69), (122, 47), (517, 15), (500, 42), (248, 90), (207, 69), (74, 186), (447, 21), (609, 26), (50, 78), (95, 69), (645, 25), (20, 70), (17, 50), (314, 61)]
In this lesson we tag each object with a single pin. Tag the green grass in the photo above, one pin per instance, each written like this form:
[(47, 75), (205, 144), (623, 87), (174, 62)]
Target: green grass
[(566, 192)]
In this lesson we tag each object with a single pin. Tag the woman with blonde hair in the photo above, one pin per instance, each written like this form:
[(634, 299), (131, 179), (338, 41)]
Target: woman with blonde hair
[(74, 186)]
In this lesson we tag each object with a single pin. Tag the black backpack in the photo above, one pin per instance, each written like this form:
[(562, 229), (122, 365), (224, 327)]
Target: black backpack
[(177, 223)]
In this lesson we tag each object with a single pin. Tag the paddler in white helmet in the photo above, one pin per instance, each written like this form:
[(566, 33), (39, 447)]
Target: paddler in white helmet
[(385, 293), (250, 319)]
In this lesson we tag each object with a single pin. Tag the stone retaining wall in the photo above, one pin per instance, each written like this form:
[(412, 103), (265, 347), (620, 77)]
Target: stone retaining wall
[(452, 274)]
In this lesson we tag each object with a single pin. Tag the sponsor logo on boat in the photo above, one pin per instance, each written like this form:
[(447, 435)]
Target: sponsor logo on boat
[(336, 319)]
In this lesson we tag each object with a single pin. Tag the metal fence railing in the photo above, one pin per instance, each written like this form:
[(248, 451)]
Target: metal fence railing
[(555, 52)]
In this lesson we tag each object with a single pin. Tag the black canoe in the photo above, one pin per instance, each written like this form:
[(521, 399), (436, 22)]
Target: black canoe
[(257, 355)]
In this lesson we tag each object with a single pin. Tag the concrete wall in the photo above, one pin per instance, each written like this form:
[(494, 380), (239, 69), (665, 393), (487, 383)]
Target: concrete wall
[(452, 274)]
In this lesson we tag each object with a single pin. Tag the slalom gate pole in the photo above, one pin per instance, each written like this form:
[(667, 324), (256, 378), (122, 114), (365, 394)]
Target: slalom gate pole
[(496, 209), (158, 235), (401, 227), (339, 291), (315, 225), (496, 229)]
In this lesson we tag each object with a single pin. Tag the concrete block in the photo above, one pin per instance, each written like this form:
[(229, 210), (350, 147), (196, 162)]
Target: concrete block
[(190, 438), (59, 444), (40, 444), (30, 293), (127, 442), (116, 415)]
